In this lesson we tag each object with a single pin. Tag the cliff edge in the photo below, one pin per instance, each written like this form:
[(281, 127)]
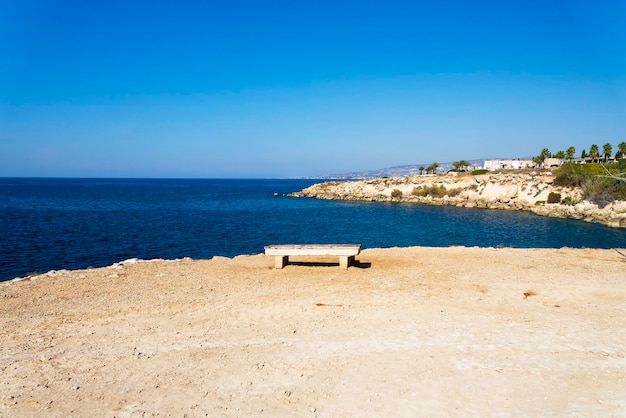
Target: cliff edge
[(533, 191)]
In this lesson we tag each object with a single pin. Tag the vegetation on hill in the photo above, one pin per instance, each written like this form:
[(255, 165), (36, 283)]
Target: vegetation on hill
[(435, 191), (601, 183)]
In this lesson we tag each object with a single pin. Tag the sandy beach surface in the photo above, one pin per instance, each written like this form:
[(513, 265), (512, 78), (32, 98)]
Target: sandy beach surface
[(409, 332)]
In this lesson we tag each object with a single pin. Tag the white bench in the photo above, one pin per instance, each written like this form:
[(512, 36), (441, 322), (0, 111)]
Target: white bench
[(346, 252)]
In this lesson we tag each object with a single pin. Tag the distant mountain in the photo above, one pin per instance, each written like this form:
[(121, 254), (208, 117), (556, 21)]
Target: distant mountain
[(398, 171)]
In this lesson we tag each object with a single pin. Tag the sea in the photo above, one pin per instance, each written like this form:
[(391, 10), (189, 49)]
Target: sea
[(52, 224)]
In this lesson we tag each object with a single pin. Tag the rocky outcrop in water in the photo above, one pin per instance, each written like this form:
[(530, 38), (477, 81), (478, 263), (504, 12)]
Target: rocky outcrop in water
[(532, 191)]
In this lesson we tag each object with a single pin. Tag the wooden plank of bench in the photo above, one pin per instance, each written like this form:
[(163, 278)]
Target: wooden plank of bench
[(346, 252)]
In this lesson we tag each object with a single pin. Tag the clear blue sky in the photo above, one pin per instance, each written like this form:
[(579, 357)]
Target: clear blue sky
[(287, 88)]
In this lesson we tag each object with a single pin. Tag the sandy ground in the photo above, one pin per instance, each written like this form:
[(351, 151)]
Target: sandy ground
[(410, 332)]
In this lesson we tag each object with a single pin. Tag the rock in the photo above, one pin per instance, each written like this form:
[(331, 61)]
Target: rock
[(504, 191)]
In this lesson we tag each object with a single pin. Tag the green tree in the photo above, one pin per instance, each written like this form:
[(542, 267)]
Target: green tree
[(621, 147), (560, 155), (594, 152), (538, 160), (466, 165), (461, 165), (421, 169), (432, 168), (583, 154), (607, 151), (570, 153)]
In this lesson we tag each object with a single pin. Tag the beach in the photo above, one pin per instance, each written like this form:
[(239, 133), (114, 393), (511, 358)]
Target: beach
[(416, 331)]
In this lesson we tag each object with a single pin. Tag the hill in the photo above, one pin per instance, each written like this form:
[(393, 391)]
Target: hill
[(396, 171)]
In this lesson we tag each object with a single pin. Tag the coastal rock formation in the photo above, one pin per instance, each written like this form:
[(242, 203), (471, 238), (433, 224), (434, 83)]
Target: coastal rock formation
[(509, 191)]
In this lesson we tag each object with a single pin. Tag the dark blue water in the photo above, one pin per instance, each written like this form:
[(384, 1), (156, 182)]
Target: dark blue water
[(50, 224)]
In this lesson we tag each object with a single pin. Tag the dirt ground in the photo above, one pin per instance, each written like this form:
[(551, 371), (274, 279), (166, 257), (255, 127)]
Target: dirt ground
[(409, 332)]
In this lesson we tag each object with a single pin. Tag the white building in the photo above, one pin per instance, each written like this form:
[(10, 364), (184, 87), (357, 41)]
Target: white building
[(517, 164)]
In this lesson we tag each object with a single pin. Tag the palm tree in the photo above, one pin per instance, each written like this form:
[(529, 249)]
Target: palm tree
[(538, 160), (421, 169), (570, 153), (560, 155), (621, 147), (594, 152), (607, 151), (432, 168), (461, 165)]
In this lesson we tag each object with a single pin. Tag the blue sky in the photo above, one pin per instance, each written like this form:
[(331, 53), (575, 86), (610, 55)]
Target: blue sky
[(284, 88)]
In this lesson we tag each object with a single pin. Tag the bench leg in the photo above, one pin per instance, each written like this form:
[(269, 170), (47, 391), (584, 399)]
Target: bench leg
[(281, 261), (346, 261)]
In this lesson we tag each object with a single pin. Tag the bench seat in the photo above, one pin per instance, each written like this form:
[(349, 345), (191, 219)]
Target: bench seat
[(345, 252)]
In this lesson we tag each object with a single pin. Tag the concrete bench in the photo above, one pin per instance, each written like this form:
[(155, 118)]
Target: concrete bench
[(346, 252)]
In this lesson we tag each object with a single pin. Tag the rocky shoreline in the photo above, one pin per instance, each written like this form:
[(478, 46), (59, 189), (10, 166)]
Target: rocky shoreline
[(506, 191)]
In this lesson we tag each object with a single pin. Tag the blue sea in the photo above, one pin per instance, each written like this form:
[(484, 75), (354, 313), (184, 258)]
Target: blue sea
[(52, 224)]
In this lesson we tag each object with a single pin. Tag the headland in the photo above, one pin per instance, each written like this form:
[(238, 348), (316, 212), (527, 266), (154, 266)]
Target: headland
[(531, 191)]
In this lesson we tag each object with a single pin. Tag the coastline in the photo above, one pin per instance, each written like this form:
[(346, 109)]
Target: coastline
[(419, 330), (504, 191)]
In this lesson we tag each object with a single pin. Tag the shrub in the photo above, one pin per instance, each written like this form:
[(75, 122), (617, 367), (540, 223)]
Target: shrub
[(418, 191), (592, 178), (454, 192), (540, 203), (603, 190), (434, 191), (396, 194), (479, 172), (554, 197), (440, 191), (570, 201)]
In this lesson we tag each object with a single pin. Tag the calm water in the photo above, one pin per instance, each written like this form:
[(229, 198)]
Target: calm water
[(50, 224)]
